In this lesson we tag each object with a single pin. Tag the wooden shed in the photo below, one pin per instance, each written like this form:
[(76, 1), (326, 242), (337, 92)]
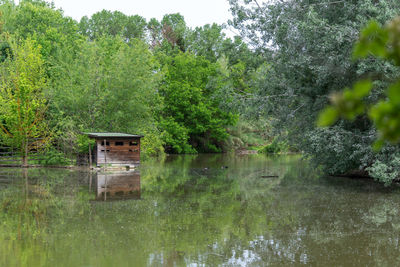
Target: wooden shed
[(116, 149)]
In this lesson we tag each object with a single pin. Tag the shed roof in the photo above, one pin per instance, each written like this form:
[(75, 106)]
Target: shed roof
[(112, 135)]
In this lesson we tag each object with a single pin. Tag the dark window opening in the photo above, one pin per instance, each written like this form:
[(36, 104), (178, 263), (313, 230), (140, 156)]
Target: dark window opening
[(130, 150), (107, 143), (119, 143), (134, 143)]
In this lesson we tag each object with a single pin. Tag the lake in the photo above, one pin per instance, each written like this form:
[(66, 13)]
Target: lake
[(197, 210)]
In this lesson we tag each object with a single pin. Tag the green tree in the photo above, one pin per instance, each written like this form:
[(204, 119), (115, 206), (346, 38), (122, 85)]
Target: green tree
[(308, 45), (169, 35), (40, 21), (206, 41), (380, 42), (154, 30), (192, 116), (211, 42), (22, 103), (110, 86), (174, 31), (113, 24)]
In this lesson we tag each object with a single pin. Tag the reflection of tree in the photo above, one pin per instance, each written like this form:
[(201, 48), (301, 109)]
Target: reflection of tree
[(30, 207), (194, 211), (337, 221), (223, 208)]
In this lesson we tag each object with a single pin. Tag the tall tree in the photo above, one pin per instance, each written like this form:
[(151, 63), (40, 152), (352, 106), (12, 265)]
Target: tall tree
[(22, 103), (154, 30), (380, 42), (192, 116), (168, 35), (174, 30), (107, 23), (308, 45), (111, 86), (40, 21)]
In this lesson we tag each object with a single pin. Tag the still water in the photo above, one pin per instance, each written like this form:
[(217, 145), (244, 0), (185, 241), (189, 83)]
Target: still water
[(205, 210)]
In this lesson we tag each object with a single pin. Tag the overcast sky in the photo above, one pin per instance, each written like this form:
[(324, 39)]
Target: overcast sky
[(196, 12)]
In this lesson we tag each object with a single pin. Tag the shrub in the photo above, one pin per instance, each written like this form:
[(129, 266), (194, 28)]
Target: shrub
[(82, 143), (385, 172), (152, 145), (54, 157), (274, 147)]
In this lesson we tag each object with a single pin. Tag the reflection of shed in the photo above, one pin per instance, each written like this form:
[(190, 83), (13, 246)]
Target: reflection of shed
[(117, 148), (118, 185)]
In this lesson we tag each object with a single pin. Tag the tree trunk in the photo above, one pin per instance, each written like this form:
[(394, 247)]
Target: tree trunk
[(24, 151)]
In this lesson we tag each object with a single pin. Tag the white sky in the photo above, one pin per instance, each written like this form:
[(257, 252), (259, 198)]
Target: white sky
[(196, 12)]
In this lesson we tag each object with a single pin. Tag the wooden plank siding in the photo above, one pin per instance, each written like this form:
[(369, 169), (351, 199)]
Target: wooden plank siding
[(126, 154)]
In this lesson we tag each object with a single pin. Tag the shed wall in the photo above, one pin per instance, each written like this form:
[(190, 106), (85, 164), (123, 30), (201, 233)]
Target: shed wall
[(126, 154)]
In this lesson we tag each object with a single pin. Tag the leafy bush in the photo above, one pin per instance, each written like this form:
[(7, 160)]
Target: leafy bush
[(176, 137), (152, 145), (385, 172), (212, 148), (83, 142), (274, 147), (337, 150), (54, 157)]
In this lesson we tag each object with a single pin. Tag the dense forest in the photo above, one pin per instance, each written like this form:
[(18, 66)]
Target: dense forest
[(196, 90)]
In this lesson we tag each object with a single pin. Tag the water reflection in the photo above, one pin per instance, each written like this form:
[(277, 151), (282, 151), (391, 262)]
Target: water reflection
[(117, 185), (206, 210)]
